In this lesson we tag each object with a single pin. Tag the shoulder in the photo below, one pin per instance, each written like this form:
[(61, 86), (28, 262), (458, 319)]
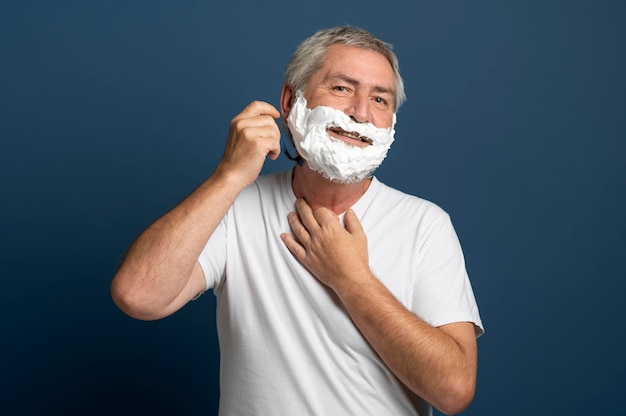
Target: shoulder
[(271, 183), (269, 194), (397, 202)]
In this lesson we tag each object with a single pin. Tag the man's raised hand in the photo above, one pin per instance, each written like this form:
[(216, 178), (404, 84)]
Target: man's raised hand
[(253, 135)]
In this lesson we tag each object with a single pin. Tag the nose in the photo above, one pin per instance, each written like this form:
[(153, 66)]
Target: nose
[(358, 108)]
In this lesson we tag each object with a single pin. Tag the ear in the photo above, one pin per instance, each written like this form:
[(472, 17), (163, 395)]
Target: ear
[(286, 100)]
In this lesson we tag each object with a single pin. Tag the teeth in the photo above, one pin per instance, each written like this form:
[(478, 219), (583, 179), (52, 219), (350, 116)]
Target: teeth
[(353, 136)]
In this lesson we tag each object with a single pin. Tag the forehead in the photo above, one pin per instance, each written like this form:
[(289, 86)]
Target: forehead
[(366, 66)]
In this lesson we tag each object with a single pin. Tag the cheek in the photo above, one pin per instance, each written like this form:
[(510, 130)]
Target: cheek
[(383, 120), (314, 98)]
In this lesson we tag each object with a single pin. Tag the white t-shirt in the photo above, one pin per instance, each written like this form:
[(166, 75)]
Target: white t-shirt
[(287, 345)]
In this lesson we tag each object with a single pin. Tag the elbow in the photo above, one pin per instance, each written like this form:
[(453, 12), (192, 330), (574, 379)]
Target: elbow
[(457, 397), (131, 300)]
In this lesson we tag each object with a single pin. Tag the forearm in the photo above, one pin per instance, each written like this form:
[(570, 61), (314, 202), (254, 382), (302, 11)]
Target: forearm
[(156, 271), (426, 359)]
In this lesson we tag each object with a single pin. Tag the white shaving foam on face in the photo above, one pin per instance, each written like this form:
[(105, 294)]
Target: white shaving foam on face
[(333, 158)]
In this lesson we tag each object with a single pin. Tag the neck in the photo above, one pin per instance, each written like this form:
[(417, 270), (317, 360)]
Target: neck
[(318, 191)]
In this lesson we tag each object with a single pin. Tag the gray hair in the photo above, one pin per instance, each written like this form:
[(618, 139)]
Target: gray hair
[(309, 57)]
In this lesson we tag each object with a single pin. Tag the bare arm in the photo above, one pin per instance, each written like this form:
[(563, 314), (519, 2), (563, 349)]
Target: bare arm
[(160, 272), (438, 364)]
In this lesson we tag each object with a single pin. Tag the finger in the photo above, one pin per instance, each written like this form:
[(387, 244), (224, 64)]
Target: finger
[(274, 153), (255, 122), (299, 230), (258, 108), (276, 149), (254, 132), (324, 215), (267, 135), (273, 143), (306, 216), (294, 247), (352, 223)]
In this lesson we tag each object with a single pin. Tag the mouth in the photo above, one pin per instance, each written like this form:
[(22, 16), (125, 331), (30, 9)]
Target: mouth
[(350, 135)]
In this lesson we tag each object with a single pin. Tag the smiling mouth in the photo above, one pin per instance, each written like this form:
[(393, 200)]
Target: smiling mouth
[(350, 135)]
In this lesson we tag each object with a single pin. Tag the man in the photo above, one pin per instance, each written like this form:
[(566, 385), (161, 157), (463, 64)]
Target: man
[(336, 295)]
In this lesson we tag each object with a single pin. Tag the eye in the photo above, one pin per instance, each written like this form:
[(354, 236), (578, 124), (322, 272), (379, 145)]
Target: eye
[(340, 88), (381, 101)]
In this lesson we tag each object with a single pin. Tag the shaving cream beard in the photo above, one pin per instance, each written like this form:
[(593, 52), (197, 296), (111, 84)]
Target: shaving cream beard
[(333, 158)]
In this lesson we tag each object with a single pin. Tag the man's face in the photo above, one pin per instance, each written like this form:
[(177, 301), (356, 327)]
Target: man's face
[(358, 82)]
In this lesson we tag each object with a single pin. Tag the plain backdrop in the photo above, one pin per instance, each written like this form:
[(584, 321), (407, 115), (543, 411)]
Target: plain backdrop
[(112, 112)]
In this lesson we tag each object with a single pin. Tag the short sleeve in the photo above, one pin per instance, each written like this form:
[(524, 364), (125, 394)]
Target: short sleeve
[(212, 259), (442, 291)]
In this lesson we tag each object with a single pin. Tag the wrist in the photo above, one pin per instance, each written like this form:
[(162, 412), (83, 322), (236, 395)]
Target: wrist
[(359, 285), (231, 178)]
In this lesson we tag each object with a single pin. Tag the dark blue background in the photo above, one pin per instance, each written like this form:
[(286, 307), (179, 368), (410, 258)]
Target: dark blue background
[(111, 112)]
